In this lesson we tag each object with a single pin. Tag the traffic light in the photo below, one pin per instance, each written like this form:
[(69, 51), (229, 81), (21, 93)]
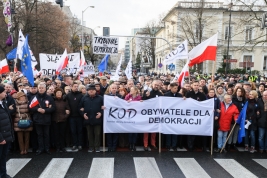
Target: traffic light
[(264, 21), (60, 2)]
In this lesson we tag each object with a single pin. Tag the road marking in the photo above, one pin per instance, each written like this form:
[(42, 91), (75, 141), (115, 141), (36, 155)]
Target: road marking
[(262, 162), (191, 168), (102, 168), (234, 168), (146, 167), (13, 166), (57, 168)]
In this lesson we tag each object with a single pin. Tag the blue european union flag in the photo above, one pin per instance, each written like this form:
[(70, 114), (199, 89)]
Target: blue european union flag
[(12, 54), (241, 121), (26, 64), (103, 64)]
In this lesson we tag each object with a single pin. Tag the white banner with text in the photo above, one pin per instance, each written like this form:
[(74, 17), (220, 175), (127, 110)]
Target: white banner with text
[(166, 115), (105, 45)]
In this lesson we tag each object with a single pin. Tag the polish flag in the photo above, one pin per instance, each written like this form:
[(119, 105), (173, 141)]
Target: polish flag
[(4, 66), (62, 62), (82, 62), (204, 51), (184, 73), (34, 102)]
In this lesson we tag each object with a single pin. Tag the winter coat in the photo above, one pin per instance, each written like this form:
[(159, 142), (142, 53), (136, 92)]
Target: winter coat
[(239, 104), (74, 98), (251, 114), (227, 116), (129, 97), (39, 118), (196, 96), (262, 119), (10, 101), (92, 105), (6, 129), (153, 94), (22, 112), (170, 94), (59, 115)]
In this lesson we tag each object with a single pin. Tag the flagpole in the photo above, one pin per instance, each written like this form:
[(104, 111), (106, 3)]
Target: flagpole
[(211, 145), (228, 137), (213, 71)]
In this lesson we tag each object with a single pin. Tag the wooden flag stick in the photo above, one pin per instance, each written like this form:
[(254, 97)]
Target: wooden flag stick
[(228, 138), (211, 146)]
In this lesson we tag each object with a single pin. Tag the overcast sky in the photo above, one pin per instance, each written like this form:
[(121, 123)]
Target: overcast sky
[(120, 15)]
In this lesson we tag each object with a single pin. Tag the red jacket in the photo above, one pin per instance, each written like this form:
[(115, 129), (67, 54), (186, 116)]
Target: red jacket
[(227, 116)]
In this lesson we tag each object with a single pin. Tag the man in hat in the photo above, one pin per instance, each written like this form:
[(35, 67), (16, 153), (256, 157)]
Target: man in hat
[(90, 109), (6, 133), (104, 85)]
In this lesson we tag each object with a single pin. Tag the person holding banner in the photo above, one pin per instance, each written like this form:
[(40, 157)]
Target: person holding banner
[(112, 138), (229, 112), (151, 93), (134, 95), (171, 139), (196, 95)]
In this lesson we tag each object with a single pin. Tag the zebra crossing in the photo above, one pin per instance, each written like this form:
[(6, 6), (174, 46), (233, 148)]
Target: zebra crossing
[(104, 167)]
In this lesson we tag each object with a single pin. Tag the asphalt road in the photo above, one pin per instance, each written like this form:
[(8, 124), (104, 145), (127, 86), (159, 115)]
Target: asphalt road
[(127, 164)]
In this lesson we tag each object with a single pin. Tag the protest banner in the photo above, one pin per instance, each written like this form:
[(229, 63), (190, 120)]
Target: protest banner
[(88, 70), (105, 45), (166, 115), (48, 63)]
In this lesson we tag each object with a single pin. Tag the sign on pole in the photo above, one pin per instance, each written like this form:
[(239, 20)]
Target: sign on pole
[(88, 70), (105, 45)]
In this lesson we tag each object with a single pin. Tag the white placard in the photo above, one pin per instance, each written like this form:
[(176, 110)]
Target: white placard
[(88, 70), (48, 63), (105, 45), (166, 115)]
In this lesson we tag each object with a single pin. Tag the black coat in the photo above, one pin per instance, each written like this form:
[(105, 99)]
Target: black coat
[(262, 119), (6, 128), (170, 94), (39, 118), (74, 99), (153, 94), (251, 114), (239, 104), (196, 96), (10, 101), (92, 105)]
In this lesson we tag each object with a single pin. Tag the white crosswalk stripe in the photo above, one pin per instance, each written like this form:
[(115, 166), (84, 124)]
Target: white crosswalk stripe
[(102, 168), (191, 168), (262, 162), (57, 168), (146, 167), (13, 166), (234, 168), (143, 167)]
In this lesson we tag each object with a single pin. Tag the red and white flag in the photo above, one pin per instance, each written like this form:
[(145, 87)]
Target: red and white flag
[(204, 51), (82, 62), (62, 62), (34, 102), (4, 66), (184, 73)]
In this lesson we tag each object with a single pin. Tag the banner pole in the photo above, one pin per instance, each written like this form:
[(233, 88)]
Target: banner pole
[(104, 146), (227, 138), (159, 142), (213, 71), (211, 146)]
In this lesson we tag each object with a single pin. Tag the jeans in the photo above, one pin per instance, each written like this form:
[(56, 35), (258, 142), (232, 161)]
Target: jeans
[(263, 138), (59, 130), (43, 137), (233, 136), (221, 138), (132, 138), (171, 140), (76, 127), (250, 133), (112, 140), (3, 155), (94, 135)]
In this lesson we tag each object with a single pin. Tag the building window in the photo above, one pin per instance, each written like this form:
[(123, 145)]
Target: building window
[(226, 33), (265, 63), (247, 58), (249, 33)]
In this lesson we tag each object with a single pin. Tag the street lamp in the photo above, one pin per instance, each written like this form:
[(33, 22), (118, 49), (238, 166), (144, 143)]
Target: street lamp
[(82, 26)]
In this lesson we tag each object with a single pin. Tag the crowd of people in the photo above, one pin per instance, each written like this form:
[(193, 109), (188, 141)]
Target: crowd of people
[(70, 111)]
